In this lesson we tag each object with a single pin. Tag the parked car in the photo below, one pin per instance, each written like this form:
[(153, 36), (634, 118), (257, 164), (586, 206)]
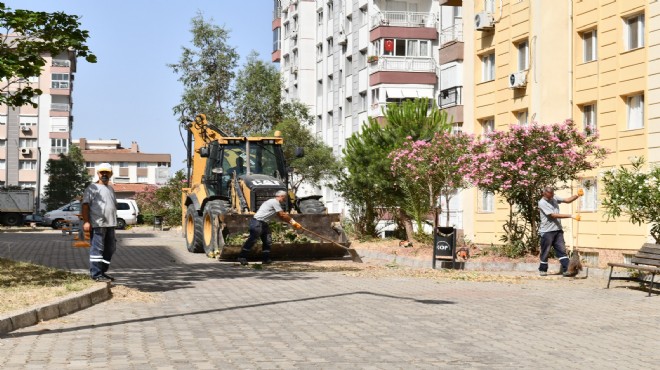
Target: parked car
[(66, 213), (127, 214), (36, 219)]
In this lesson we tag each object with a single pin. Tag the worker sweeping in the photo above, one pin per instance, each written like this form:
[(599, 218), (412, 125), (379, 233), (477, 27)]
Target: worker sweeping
[(550, 229), (259, 227)]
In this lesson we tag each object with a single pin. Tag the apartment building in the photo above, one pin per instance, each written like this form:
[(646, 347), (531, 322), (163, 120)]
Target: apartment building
[(132, 169), (30, 136), (347, 59), (588, 60)]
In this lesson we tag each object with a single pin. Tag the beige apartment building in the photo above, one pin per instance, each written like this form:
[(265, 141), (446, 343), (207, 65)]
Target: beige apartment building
[(545, 61), (132, 169), (30, 136)]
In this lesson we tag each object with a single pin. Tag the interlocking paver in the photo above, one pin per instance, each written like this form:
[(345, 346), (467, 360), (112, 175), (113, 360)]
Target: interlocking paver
[(219, 315)]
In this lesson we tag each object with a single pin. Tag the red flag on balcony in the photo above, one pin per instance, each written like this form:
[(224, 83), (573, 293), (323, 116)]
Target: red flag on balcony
[(389, 45)]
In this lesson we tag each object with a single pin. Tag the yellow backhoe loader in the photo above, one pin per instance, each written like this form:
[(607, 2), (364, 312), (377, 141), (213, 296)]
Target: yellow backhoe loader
[(229, 178)]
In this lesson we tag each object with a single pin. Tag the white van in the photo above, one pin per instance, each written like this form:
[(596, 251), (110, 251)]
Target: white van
[(127, 214)]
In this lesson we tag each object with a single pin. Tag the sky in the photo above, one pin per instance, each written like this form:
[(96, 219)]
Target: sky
[(130, 92)]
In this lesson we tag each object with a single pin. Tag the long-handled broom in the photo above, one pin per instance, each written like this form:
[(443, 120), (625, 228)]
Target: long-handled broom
[(354, 254)]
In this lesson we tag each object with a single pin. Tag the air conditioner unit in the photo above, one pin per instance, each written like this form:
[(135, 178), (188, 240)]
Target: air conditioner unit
[(483, 21), (26, 151), (342, 40), (294, 34), (25, 128), (518, 80), (294, 69)]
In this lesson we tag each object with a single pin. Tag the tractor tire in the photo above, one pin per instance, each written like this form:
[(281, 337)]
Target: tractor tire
[(213, 240), (12, 219), (311, 206), (193, 230)]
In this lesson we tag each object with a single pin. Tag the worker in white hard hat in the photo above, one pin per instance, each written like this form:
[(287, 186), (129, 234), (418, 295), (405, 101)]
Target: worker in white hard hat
[(99, 213)]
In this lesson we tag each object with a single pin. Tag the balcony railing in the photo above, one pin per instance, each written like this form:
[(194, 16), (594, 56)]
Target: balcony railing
[(403, 19), (60, 107), (403, 64), (451, 97), (59, 149), (61, 63), (453, 33)]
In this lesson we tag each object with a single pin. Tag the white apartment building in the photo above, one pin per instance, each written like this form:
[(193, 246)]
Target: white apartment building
[(346, 59)]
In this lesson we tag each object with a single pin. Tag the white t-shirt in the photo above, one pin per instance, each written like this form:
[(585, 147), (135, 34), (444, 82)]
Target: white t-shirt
[(268, 209)]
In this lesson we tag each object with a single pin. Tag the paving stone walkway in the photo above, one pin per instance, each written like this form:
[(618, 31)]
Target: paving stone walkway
[(216, 315)]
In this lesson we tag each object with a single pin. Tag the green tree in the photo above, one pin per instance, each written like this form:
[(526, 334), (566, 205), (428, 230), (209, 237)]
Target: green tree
[(206, 71), (317, 165), (257, 107), (67, 178), (164, 201), (26, 38), (368, 183), (635, 193)]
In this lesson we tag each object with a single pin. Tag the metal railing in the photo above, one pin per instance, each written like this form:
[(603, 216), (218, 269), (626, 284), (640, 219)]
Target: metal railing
[(61, 63), (58, 150), (451, 97), (453, 33), (404, 64), (403, 19)]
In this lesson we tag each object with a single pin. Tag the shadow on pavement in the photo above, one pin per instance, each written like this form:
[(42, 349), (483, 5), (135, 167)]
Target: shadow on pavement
[(205, 312)]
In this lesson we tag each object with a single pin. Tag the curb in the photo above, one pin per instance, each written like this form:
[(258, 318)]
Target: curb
[(63, 306), (478, 266)]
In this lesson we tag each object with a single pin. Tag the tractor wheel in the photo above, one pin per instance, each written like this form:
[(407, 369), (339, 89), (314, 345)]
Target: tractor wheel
[(194, 231), (311, 206), (213, 240)]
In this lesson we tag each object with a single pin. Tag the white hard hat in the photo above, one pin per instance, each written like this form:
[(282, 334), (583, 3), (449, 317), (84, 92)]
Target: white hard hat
[(104, 167)]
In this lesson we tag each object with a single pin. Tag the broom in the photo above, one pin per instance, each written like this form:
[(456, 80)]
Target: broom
[(574, 263)]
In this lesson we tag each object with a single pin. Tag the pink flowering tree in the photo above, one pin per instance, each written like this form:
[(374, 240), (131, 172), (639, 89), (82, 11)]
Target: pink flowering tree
[(516, 164), (428, 170)]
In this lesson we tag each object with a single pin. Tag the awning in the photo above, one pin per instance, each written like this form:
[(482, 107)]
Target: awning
[(393, 93), (425, 93), (408, 93)]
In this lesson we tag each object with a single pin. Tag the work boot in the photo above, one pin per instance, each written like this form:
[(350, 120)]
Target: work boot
[(242, 261), (543, 273)]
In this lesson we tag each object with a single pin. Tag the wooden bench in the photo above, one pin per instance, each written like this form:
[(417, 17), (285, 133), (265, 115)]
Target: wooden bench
[(646, 259)]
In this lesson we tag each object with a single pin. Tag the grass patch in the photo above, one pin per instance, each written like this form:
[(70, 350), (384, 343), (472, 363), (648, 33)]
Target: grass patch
[(25, 284)]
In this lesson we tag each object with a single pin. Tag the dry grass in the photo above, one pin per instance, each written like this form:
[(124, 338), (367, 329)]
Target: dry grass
[(24, 284)]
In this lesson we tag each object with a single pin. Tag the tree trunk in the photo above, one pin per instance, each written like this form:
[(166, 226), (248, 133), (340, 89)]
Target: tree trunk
[(407, 222)]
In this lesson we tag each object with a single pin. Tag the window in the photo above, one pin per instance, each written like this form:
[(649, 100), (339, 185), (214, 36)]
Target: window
[(331, 45), (635, 107), (319, 18), (634, 32), (59, 146), (330, 9), (402, 47), (522, 117), (589, 202), (276, 39), (123, 164), (349, 106), (523, 55), (456, 127), (3, 143), (27, 143), (363, 101), (363, 16), (589, 118), (589, 46), (319, 125), (27, 120), (488, 67), (27, 165), (3, 164), (163, 164), (143, 164), (488, 125), (60, 81), (363, 58), (349, 66), (90, 164), (319, 52), (487, 201), (3, 120)]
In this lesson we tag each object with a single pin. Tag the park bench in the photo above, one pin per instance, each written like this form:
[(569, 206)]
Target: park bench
[(646, 259)]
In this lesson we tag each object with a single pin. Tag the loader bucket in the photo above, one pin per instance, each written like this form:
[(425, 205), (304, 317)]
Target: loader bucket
[(326, 225)]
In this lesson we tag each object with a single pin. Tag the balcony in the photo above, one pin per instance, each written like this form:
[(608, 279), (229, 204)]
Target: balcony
[(450, 97), (402, 64), (58, 107), (403, 19), (61, 63), (451, 34)]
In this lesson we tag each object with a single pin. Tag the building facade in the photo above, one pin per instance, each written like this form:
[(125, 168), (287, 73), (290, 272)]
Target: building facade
[(132, 169), (490, 64), (30, 136)]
